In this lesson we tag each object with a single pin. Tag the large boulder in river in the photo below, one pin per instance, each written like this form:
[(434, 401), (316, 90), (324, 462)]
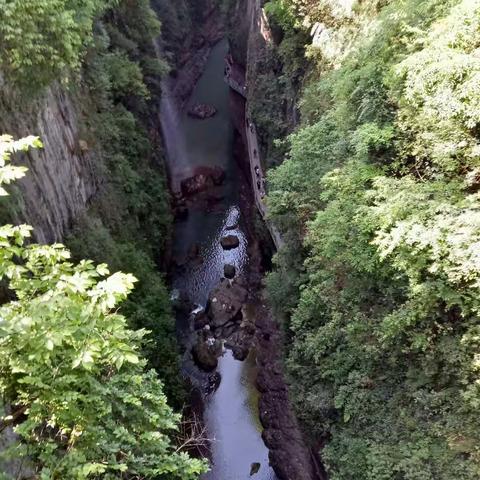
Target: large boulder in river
[(226, 302), (196, 184), (202, 111), (229, 242), (204, 355), (203, 178)]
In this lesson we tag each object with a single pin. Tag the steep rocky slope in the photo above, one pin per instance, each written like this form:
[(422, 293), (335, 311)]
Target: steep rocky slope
[(62, 177)]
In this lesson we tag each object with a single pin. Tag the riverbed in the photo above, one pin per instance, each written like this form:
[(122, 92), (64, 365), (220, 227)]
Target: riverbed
[(231, 411)]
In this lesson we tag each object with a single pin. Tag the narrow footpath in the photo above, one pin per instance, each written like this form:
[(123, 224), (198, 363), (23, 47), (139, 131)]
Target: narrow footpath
[(235, 78)]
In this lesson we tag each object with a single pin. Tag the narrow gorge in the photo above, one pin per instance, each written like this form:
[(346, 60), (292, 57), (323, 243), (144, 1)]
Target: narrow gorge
[(239, 239), (231, 340)]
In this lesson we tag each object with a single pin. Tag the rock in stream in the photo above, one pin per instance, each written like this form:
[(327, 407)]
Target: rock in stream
[(230, 242), (202, 111)]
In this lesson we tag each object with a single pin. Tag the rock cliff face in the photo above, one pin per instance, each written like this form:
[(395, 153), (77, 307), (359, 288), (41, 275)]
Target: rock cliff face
[(59, 184), (273, 80), (61, 178), (290, 454), (250, 32)]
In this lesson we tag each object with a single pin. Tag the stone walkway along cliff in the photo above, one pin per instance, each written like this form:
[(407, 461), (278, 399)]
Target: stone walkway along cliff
[(235, 78)]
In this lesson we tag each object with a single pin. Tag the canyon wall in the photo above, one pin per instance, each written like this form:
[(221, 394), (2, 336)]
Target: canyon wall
[(254, 47), (274, 75), (65, 175), (61, 177)]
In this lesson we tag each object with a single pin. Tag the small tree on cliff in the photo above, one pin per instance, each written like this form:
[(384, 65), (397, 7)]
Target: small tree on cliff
[(77, 392)]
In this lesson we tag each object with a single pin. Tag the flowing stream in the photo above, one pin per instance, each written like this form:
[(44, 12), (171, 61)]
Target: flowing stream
[(231, 412)]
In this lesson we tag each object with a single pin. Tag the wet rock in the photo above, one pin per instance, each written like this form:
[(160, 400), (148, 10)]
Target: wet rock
[(199, 316), (239, 340), (254, 468), (229, 271), (202, 111), (229, 242), (214, 381), (203, 178), (228, 331), (200, 321), (204, 356), (226, 302), (240, 352), (196, 184)]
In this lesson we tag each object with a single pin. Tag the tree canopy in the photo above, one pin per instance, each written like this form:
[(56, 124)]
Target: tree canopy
[(74, 385), (382, 310)]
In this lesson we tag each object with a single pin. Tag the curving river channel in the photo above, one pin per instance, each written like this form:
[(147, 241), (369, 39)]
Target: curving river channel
[(231, 412)]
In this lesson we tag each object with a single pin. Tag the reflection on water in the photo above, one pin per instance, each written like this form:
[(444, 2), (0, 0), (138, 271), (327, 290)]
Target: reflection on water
[(199, 278), (237, 442), (230, 419)]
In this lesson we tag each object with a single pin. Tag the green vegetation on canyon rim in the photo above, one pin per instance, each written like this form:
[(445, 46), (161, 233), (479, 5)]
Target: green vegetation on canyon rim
[(376, 192), (379, 202)]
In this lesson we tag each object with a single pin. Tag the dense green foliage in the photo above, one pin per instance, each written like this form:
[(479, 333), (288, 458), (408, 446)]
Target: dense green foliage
[(128, 225), (115, 91), (108, 417), (378, 201), (79, 395), (44, 39)]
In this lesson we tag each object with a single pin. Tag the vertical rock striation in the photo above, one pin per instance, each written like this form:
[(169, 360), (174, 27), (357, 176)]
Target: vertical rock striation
[(61, 178)]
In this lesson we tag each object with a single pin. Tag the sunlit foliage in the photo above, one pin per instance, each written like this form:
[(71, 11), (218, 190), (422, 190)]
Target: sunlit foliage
[(43, 40), (71, 376), (381, 186)]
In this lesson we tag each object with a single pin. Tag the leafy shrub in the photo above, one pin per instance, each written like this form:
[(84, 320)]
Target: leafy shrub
[(78, 392), (43, 40)]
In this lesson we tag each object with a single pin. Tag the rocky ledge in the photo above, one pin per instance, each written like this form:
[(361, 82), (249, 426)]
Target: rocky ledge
[(201, 111), (289, 454)]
